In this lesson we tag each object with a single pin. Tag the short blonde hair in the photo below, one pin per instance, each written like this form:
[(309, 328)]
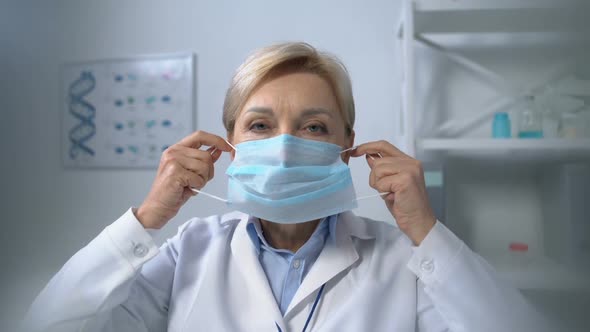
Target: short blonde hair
[(287, 58)]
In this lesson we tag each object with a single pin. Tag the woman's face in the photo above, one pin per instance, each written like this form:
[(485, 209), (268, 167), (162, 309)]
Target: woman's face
[(298, 104)]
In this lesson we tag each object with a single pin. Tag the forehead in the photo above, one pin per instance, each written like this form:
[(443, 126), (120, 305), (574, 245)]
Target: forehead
[(294, 91)]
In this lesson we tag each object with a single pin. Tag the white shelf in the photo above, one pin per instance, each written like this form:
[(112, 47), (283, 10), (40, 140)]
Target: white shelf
[(544, 149), (455, 16), (540, 273), (445, 5)]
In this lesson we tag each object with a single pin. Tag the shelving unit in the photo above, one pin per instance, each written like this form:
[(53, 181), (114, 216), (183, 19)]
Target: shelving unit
[(494, 23), (547, 21), (531, 150)]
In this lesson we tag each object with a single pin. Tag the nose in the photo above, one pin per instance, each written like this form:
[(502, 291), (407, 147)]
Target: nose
[(287, 127)]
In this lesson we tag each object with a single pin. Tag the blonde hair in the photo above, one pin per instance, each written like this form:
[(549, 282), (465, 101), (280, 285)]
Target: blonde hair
[(287, 58)]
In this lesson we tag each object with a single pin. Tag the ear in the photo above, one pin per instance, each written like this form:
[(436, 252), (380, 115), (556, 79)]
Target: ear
[(350, 143)]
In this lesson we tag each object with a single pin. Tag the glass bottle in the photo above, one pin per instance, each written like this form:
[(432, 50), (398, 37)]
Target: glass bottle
[(530, 124)]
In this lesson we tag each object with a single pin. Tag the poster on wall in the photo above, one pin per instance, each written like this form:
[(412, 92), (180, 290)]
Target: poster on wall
[(123, 113)]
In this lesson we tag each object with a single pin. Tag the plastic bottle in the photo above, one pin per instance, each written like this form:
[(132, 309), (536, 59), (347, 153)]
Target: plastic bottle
[(530, 124), (501, 126)]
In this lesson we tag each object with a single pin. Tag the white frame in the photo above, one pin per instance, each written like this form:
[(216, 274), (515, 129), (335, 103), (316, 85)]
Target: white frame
[(191, 109)]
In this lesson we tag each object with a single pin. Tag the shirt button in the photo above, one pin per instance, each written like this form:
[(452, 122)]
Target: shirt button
[(296, 264), (140, 250), (427, 265)]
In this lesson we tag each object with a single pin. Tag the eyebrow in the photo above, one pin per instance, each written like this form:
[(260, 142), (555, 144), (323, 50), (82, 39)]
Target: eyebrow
[(306, 112), (262, 110), (317, 111)]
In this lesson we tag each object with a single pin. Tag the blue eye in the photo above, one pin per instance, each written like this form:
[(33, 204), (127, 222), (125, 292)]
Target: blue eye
[(316, 128), (258, 126)]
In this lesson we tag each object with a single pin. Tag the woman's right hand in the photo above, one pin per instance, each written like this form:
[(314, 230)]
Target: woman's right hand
[(182, 166)]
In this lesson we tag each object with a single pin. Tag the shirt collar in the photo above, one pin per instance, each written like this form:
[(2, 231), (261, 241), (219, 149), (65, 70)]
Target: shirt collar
[(326, 225)]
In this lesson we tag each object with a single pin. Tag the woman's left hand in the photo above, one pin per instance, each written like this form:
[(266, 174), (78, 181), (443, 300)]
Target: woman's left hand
[(402, 176)]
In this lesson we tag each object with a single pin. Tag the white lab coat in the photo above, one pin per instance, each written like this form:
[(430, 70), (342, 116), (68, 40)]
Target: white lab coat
[(208, 278)]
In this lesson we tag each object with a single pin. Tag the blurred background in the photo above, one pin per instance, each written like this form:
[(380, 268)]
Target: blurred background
[(494, 97)]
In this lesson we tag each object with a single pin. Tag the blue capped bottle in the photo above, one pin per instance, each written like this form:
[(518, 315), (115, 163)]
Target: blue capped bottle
[(501, 126)]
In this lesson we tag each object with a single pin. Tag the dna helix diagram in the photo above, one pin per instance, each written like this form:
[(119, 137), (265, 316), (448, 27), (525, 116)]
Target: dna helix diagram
[(85, 112)]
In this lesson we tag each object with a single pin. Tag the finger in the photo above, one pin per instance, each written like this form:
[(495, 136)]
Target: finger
[(178, 175), (385, 148), (374, 156), (190, 192), (200, 138), (200, 167), (371, 160), (215, 153), (392, 166), (391, 183), (188, 152), (198, 161), (193, 180), (209, 157), (406, 165), (395, 162), (375, 159), (383, 170), (389, 197)]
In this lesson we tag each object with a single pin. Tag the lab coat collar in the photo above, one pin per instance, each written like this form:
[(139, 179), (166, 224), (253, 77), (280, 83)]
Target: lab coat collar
[(338, 254), (246, 258)]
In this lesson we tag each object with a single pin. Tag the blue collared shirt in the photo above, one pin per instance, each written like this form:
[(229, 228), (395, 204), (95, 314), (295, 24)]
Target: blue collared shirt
[(284, 269)]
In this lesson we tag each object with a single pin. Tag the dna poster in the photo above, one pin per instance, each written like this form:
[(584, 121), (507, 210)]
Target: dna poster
[(124, 113)]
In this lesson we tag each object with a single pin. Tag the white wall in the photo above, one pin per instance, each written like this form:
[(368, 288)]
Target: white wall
[(49, 212)]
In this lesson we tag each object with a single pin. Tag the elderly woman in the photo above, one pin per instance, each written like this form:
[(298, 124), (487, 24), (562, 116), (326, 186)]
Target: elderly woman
[(293, 257)]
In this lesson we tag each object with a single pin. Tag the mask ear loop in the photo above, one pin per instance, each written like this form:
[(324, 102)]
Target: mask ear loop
[(349, 149), (373, 195), (354, 147), (228, 143), (211, 195)]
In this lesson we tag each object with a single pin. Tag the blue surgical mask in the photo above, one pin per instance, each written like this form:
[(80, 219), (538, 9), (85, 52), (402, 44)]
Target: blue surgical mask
[(286, 179), (289, 180)]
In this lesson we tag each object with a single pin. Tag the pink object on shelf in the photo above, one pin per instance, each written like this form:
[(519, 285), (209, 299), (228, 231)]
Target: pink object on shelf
[(518, 246)]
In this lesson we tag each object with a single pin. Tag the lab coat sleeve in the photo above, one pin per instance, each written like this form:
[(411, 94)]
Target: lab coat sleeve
[(459, 291), (107, 285)]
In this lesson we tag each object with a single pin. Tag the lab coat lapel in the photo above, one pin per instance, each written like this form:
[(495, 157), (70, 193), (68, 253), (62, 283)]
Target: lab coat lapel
[(335, 257), (247, 259)]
